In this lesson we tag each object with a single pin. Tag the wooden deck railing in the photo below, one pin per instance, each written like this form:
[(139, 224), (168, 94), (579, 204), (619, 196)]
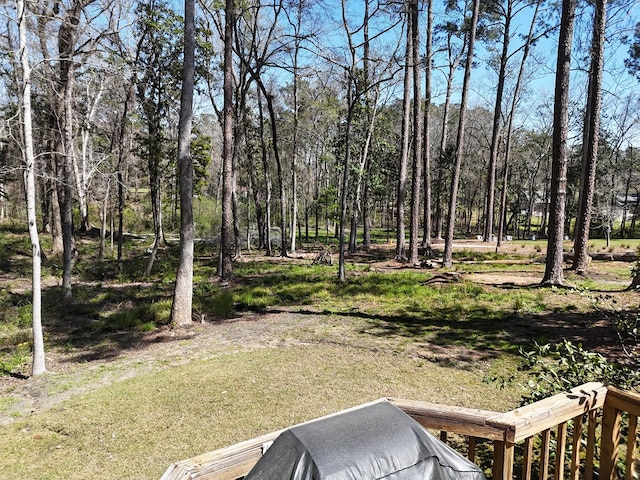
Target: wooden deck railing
[(589, 432)]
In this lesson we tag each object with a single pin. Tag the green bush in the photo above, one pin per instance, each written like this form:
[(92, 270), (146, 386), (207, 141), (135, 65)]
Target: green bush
[(221, 305), (560, 367), (18, 355), (206, 216)]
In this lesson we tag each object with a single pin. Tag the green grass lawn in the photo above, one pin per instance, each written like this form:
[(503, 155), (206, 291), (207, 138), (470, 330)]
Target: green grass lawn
[(137, 427), (284, 343)]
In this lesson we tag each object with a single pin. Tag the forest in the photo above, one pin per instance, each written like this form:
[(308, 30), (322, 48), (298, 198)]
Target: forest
[(257, 125), (219, 219)]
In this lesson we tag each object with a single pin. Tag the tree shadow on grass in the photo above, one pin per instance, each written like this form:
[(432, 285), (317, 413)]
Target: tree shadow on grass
[(102, 322), (488, 319), (441, 333)]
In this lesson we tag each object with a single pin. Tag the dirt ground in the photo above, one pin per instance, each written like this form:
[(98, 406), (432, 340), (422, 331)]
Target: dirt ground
[(74, 371)]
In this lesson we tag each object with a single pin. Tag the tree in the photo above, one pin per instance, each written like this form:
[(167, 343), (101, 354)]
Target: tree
[(158, 65), (507, 13), (356, 90), (417, 146), (68, 34), (256, 53), (451, 217), (404, 151), (590, 135), (426, 135), (365, 115), (38, 364), (509, 133), (553, 274), (267, 175), (226, 237), (455, 55), (296, 24), (181, 308)]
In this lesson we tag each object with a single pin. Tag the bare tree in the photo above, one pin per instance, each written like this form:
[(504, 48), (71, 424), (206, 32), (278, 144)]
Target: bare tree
[(404, 152), (590, 139), (68, 35), (426, 129), (267, 176), (416, 115), (296, 23), (451, 217), (509, 133), (507, 13), (38, 365), (226, 239), (454, 58), (554, 274), (182, 306)]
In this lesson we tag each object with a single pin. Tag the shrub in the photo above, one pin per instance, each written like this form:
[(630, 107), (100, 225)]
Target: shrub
[(560, 367), (222, 305)]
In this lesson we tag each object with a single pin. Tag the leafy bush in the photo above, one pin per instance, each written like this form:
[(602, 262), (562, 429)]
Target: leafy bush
[(565, 365), (211, 300), (222, 305), (16, 356)]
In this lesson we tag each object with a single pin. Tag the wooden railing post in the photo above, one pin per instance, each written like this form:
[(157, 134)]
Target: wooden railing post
[(610, 439), (503, 454)]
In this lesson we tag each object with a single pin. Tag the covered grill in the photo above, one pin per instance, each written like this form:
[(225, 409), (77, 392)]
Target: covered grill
[(378, 441)]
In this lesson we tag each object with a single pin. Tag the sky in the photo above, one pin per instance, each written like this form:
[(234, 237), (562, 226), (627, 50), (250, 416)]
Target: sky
[(538, 89)]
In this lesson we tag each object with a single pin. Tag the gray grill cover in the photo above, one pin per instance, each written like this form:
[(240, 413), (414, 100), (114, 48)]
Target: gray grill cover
[(378, 441)]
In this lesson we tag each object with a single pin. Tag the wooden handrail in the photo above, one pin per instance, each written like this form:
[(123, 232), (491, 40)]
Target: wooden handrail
[(463, 421), (623, 400), (537, 417), (618, 401), (505, 430)]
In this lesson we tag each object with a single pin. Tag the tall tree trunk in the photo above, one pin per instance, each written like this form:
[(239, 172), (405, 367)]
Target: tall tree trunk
[(182, 306), (590, 139), (455, 178), (512, 113), (361, 177), (364, 206), (226, 238), (345, 180), (495, 132), (404, 154), (426, 135), (66, 47), (38, 365), (416, 115), (267, 177), (360, 199), (121, 145), (294, 157), (276, 155), (155, 192), (454, 62), (553, 274), (351, 100)]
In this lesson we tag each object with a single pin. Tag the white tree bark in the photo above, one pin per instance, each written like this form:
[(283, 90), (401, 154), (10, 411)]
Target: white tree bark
[(38, 366), (84, 168)]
